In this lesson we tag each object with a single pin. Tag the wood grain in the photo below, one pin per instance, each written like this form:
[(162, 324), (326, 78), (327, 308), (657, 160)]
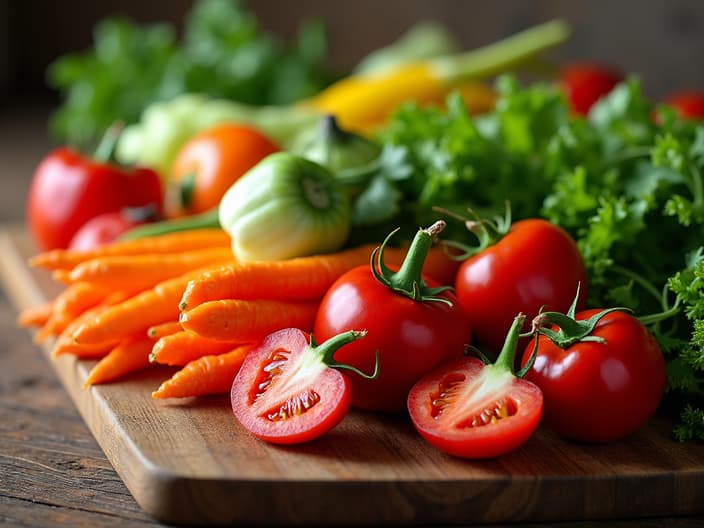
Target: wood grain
[(190, 462)]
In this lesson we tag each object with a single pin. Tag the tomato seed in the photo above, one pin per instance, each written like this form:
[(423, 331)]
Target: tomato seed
[(294, 406)]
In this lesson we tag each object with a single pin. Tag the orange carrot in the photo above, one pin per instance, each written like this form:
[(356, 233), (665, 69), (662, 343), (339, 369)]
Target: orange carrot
[(136, 314), (296, 279), (36, 316), (164, 329), (244, 320), (65, 344), (128, 356), (70, 303), (299, 279), (139, 272), (181, 347), (204, 376), (176, 242)]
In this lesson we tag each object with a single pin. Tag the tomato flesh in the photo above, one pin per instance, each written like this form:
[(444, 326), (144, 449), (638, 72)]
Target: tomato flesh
[(283, 396), (471, 410)]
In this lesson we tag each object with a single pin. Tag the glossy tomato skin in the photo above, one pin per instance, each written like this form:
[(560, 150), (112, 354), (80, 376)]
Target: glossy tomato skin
[(102, 229), (68, 189), (411, 337), (209, 163), (273, 363), (688, 104), (585, 83), (446, 409), (535, 264), (598, 392)]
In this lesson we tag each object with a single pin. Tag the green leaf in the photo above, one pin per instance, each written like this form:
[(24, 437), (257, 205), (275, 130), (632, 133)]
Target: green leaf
[(379, 202)]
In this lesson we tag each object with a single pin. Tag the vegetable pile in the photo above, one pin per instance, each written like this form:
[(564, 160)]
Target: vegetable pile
[(557, 280)]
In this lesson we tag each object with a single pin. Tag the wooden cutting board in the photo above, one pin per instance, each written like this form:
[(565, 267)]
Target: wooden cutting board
[(190, 461)]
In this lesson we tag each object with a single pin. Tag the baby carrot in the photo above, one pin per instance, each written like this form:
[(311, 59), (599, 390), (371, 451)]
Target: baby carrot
[(299, 279), (176, 242), (128, 356), (70, 303), (136, 314), (36, 316), (65, 344), (181, 347), (296, 279), (139, 272), (204, 376), (243, 321), (164, 329)]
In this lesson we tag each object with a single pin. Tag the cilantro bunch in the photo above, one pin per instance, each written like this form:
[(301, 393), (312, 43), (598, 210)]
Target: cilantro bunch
[(625, 182), (222, 52)]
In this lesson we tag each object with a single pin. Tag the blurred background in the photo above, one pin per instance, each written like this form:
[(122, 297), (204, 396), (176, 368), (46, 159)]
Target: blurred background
[(661, 41)]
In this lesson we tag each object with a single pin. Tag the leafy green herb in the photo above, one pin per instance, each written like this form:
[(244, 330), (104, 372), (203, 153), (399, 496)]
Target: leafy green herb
[(627, 186), (223, 53)]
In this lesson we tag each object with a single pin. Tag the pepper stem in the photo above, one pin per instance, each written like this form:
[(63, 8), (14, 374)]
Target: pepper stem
[(105, 150)]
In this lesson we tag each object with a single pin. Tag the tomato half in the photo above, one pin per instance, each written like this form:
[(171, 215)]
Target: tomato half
[(585, 83), (472, 410), (209, 163), (536, 264), (285, 392), (600, 392)]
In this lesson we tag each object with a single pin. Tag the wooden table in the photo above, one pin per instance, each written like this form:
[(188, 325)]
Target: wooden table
[(52, 472)]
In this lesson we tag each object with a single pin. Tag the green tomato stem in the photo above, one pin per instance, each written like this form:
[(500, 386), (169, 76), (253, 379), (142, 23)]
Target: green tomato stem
[(487, 232), (408, 279), (326, 350), (507, 355), (570, 330)]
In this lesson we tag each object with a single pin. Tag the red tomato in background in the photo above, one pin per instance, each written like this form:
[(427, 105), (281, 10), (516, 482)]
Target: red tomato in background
[(209, 163), (472, 410), (536, 264), (585, 83), (106, 228), (688, 104), (67, 190), (285, 393), (597, 392), (411, 337)]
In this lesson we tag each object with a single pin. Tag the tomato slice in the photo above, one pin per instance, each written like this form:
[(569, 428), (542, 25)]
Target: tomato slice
[(472, 410), (286, 392)]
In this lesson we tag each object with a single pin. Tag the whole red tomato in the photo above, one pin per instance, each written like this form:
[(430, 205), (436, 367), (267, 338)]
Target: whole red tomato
[(600, 391), (688, 104), (585, 83), (534, 265), (209, 163), (68, 189), (107, 227), (409, 336)]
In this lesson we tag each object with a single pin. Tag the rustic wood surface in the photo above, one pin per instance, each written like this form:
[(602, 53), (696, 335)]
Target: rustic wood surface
[(189, 461)]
